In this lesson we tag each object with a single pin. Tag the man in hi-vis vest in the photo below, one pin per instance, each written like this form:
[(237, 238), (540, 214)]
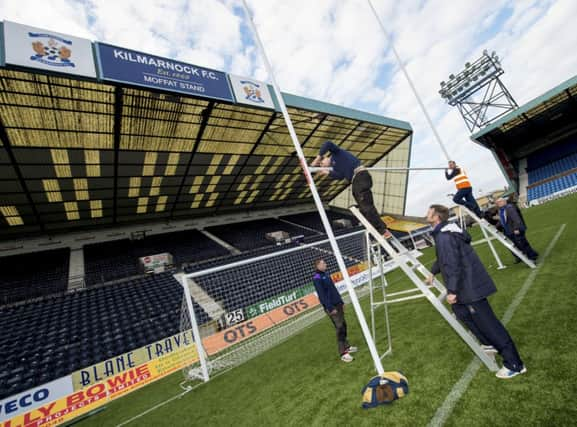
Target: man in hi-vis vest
[(464, 195)]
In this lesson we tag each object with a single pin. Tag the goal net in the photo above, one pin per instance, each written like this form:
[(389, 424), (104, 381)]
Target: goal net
[(250, 305)]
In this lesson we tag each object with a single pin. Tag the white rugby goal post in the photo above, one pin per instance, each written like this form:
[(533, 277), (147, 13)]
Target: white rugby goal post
[(318, 202)]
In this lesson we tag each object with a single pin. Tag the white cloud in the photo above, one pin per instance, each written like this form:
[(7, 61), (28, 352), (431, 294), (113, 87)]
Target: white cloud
[(334, 50), (62, 16)]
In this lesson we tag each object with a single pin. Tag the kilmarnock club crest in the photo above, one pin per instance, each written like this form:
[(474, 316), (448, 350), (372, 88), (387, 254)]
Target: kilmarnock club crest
[(252, 91), (51, 50)]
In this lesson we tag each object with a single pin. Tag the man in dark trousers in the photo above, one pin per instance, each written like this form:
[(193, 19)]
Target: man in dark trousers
[(468, 286), (515, 228), (464, 195), (346, 166), (333, 304)]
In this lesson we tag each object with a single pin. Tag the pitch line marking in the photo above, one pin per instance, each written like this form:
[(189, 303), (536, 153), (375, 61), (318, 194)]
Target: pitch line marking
[(446, 409)]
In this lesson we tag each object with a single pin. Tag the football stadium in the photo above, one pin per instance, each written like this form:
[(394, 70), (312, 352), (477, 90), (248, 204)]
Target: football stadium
[(162, 226)]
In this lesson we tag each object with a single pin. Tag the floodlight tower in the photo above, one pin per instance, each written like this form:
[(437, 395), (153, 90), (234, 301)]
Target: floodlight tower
[(478, 92)]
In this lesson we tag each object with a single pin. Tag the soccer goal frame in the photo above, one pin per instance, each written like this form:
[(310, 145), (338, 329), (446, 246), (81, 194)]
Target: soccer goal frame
[(296, 264)]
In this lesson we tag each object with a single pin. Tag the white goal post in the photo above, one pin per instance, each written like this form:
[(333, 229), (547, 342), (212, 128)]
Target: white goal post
[(250, 305), (240, 309), (318, 202)]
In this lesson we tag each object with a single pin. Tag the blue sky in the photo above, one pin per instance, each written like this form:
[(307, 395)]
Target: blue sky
[(334, 51)]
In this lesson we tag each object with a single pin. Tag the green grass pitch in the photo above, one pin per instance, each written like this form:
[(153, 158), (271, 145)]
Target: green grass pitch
[(302, 382)]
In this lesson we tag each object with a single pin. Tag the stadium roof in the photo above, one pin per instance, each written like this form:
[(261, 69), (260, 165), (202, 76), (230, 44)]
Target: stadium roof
[(549, 116), (78, 152)]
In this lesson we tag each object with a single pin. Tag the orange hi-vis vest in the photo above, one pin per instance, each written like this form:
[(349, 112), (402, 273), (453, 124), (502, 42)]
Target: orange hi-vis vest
[(462, 180)]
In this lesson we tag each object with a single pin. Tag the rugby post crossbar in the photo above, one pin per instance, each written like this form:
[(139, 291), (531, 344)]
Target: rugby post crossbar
[(403, 259), (381, 169), (318, 202)]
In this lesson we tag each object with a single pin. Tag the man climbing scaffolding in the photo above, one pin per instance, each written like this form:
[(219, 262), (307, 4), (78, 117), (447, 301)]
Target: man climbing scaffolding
[(464, 195), (345, 165)]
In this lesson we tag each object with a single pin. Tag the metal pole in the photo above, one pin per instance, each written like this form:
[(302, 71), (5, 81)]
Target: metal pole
[(500, 265), (317, 199), (371, 297), (195, 331), (385, 303), (403, 69), (436, 302), (381, 169)]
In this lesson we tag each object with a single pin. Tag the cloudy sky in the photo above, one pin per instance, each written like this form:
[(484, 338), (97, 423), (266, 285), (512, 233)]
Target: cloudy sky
[(334, 51)]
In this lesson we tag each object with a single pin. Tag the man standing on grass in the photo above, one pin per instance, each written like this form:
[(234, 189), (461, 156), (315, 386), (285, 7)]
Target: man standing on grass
[(334, 306), (514, 226), (468, 286)]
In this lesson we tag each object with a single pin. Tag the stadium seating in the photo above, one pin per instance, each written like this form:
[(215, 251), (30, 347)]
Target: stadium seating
[(33, 275), (113, 260), (554, 168), (313, 220), (227, 259), (251, 235), (56, 336), (61, 333), (553, 186)]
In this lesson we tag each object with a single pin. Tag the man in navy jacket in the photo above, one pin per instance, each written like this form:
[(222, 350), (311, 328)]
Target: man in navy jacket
[(334, 306), (346, 166), (468, 286), (515, 228)]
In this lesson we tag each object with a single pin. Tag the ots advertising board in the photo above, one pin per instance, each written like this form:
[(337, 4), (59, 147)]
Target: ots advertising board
[(132, 67), (251, 92), (47, 50)]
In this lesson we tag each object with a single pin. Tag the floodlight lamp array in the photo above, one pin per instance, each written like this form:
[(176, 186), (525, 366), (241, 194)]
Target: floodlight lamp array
[(475, 75)]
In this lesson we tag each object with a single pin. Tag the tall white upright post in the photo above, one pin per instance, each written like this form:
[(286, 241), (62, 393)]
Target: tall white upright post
[(182, 279), (410, 81), (317, 199)]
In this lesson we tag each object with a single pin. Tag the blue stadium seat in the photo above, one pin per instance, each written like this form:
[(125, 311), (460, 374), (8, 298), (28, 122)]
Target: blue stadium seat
[(60, 334), (251, 235), (109, 261), (33, 275)]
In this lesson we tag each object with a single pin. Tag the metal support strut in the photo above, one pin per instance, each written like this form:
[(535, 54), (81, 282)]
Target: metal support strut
[(410, 266)]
